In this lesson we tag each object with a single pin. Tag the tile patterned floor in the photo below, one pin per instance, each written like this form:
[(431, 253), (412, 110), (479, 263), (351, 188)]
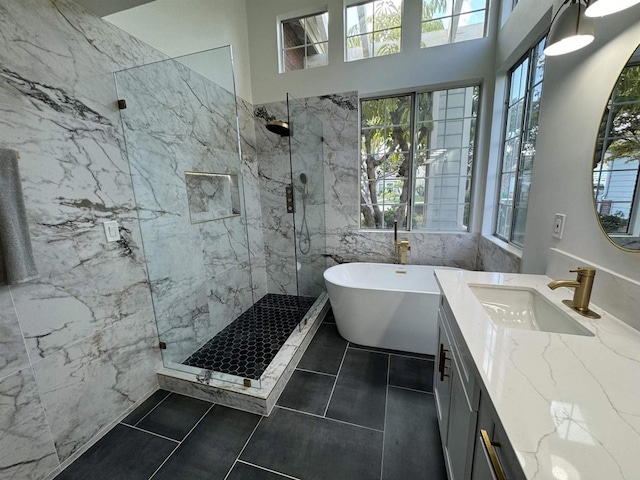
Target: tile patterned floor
[(246, 347), (348, 412)]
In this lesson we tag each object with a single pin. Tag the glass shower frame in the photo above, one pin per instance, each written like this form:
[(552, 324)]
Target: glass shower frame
[(182, 136)]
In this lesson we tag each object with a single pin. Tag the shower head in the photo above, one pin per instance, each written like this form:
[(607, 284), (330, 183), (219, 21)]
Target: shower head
[(303, 178), (281, 128)]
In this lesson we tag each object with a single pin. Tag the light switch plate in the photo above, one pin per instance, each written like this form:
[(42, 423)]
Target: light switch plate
[(558, 225), (111, 231)]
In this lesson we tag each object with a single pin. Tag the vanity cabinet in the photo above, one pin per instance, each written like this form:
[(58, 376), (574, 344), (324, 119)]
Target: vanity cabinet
[(456, 405), (493, 457), (474, 444)]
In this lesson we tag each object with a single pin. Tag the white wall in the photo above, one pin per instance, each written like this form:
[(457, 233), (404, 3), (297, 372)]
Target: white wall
[(576, 89), (444, 65), (187, 26)]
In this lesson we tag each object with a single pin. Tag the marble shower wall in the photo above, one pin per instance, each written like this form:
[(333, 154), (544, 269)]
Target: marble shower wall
[(278, 167), (177, 121), (78, 345), (345, 242)]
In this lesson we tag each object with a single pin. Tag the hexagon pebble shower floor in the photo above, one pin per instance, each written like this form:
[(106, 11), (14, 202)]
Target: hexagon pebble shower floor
[(246, 347)]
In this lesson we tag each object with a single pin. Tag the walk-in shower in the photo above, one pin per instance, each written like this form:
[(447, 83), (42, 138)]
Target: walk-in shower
[(199, 207)]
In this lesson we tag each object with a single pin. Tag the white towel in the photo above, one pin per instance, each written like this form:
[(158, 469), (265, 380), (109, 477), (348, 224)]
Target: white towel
[(16, 257)]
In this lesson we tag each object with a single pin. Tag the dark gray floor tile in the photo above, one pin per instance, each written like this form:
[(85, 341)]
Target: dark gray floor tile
[(314, 448), (242, 471), (329, 318), (325, 351), (124, 452), (392, 352), (412, 373), (307, 392), (146, 406), (412, 446), (210, 450), (360, 393), (175, 416)]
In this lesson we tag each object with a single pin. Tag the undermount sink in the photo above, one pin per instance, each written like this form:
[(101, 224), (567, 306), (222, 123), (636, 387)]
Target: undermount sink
[(525, 309)]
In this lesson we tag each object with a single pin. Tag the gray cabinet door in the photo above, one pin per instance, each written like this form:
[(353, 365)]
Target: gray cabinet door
[(462, 424), (442, 380)]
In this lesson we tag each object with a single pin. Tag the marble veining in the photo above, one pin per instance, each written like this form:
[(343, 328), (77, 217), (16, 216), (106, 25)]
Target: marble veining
[(27, 448), (568, 403), (13, 352), (58, 104), (494, 258), (104, 375)]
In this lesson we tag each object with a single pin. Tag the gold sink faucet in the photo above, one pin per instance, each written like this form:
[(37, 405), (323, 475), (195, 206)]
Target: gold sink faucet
[(402, 246), (582, 294)]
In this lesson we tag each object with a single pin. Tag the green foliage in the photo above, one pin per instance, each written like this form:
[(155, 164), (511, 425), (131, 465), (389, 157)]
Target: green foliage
[(625, 114), (613, 223)]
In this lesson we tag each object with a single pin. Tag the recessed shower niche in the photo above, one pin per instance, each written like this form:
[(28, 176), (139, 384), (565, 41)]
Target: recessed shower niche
[(212, 196), (201, 220)]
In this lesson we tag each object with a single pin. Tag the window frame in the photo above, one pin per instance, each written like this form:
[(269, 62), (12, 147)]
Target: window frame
[(372, 32), (411, 176), (450, 40), (529, 55), (281, 44)]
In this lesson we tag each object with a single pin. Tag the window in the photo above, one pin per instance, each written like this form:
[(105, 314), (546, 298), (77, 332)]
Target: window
[(374, 29), (304, 42), (616, 170), (449, 21), (417, 159), (519, 144)]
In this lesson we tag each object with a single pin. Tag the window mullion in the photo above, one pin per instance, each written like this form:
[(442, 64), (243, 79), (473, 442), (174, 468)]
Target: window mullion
[(410, 167), (525, 112)]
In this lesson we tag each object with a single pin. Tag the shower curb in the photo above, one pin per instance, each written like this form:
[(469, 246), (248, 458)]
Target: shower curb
[(259, 400)]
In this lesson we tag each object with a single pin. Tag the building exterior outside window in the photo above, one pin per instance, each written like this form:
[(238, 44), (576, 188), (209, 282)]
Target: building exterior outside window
[(417, 154), (519, 144), (304, 42)]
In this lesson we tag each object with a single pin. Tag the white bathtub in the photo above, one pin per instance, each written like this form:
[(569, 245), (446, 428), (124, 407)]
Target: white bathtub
[(386, 306)]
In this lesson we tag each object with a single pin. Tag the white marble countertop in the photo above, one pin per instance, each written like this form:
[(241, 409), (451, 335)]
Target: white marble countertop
[(569, 404)]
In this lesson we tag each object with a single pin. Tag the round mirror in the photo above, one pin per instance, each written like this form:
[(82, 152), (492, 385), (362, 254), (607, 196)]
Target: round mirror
[(616, 190)]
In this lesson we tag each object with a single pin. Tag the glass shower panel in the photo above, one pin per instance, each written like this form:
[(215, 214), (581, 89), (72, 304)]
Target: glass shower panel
[(307, 178), (181, 131)]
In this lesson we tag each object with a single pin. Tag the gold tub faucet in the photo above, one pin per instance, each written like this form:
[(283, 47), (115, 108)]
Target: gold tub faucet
[(582, 294), (401, 246)]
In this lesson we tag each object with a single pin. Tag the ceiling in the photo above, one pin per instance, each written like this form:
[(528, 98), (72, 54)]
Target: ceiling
[(102, 8)]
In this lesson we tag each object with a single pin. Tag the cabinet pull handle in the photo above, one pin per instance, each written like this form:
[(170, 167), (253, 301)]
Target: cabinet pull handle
[(497, 469), (443, 359)]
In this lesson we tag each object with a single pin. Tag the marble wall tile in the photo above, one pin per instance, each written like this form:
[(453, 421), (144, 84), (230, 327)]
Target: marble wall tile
[(493, 258), (230, 294), (58, 56), (267, 142), (177, 315), (27, 448), (339, 115), (614, 293), (247, 125), (13, 352), (103, 376), (173, 102), (87, 320)]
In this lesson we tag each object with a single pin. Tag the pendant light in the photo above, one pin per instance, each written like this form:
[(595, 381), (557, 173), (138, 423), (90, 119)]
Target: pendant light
[(600, 8), (571, 29)]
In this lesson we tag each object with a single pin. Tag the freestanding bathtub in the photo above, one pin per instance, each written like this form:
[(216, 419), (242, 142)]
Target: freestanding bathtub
[(386, 306)]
